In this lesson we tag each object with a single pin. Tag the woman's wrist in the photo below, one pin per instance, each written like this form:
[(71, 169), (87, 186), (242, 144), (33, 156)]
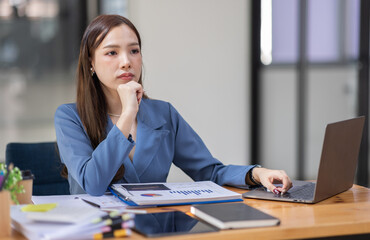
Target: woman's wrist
[(125, 123), (252, 180)]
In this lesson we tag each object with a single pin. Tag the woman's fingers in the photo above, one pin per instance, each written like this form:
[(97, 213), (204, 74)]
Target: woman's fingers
[(130, 95), (268, 177), (287, 183), (139, 95)]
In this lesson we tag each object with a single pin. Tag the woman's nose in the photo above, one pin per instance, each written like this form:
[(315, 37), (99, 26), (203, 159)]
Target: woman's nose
[(125, 62)]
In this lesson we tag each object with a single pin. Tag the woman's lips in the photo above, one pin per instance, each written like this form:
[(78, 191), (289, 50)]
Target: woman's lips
[(126, 76)]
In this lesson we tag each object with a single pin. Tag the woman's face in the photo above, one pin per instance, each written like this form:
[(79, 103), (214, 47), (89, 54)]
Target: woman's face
[(117, 60)]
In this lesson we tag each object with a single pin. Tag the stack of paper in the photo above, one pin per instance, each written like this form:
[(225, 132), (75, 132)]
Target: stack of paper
[(63, 222)]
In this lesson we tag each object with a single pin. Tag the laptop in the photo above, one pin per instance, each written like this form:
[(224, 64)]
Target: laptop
[(337, 166)]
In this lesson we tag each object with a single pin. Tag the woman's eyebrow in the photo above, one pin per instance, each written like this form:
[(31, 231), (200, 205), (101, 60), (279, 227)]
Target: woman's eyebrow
[(133, 44), (118, 46), (111, 46)]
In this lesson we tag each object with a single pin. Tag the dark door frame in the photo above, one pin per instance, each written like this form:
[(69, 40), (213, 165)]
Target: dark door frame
[(363, 92)]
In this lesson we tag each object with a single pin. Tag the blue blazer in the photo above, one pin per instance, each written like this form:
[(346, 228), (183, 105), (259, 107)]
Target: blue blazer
[(163, 137)]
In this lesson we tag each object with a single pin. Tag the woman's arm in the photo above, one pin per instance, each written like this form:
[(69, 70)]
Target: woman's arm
[(194, 158), (93, 169)]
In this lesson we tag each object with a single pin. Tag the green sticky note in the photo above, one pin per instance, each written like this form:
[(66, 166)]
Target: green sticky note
[(38, 207)]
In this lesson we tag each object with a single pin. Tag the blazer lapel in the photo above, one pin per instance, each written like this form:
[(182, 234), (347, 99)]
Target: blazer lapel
[(130, 172), (149, 141), (148, 138)]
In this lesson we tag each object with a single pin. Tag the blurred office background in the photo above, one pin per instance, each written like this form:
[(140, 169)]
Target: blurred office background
[(258, 80)]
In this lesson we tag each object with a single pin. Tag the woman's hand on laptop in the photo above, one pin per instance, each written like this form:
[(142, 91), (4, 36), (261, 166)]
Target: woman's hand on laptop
[(268, 177)]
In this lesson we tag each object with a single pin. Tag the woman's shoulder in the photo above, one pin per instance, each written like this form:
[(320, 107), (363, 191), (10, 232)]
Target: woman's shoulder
[(159, 106), (157, 110), (66, 109)]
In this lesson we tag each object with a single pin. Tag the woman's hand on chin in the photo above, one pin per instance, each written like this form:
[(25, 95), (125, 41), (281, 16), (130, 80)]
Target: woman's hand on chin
[(130, 95)]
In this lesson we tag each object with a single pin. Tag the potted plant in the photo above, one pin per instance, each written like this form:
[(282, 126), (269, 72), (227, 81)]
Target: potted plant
[(10, 180)]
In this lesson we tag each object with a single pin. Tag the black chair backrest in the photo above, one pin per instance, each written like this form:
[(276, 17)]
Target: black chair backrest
[(44, 162)]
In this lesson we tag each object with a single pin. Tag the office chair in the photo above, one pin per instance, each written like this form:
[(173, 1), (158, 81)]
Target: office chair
[(44, 162)]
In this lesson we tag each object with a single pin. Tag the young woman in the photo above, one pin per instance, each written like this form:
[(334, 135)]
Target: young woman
[(115, 133)]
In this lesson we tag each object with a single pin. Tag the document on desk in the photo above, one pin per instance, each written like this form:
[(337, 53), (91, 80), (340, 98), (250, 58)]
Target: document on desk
[(164, 194), (102, 202), (69, 211)]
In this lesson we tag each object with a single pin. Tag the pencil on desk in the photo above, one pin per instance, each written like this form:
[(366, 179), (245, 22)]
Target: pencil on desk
[(91, 203)]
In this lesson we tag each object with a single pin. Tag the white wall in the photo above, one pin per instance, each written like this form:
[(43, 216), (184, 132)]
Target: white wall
[(196, 56)]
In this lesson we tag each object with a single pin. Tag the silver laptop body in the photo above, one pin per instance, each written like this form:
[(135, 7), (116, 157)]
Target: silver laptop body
[(337, 166)]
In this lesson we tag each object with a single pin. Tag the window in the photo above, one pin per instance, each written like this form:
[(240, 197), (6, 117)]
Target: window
[(332, 30)]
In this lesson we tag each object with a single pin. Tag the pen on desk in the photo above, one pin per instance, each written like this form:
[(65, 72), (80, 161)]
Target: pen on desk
[(10, 167), (91, 203), (114, 234)]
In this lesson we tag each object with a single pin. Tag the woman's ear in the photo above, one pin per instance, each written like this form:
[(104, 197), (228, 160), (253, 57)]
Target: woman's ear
[(92, 66), (91, 61)]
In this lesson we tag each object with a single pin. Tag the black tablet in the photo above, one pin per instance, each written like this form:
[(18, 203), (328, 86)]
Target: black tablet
[(169, 223)]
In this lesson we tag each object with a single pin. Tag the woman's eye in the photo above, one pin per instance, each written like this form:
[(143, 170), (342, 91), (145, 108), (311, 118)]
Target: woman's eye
[(111, 53), (135, 51)]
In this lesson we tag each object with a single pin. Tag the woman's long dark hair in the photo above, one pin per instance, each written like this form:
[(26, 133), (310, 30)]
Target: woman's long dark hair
[(91, 101)]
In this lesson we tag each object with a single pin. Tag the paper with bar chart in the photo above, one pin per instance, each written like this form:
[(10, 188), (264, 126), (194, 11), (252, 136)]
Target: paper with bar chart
[(162, 194)]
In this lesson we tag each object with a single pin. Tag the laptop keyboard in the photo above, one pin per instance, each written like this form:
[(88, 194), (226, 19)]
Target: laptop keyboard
[(305, 192)]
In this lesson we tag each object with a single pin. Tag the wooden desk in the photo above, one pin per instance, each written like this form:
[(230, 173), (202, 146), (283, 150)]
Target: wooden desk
[(345, 214)]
